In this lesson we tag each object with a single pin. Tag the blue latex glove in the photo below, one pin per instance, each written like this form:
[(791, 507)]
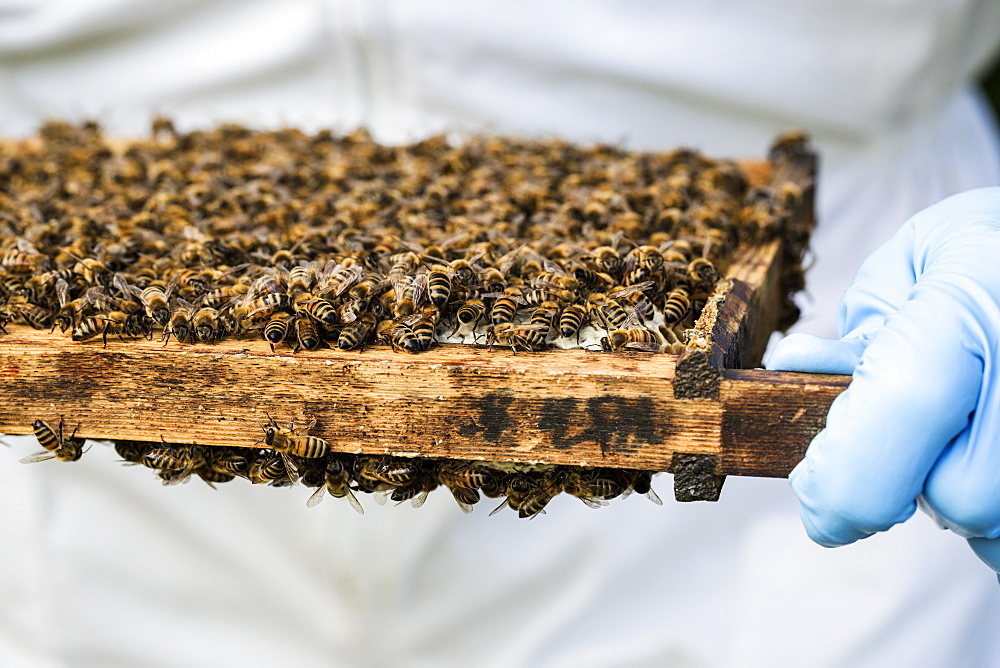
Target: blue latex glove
[(920, 422)]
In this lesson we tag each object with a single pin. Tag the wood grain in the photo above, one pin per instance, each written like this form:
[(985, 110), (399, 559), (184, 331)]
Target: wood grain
[(769, 418)]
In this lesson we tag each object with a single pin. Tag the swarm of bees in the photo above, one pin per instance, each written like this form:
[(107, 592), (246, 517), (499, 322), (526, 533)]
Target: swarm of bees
[(294, 457), (312, 241), (318, 240)]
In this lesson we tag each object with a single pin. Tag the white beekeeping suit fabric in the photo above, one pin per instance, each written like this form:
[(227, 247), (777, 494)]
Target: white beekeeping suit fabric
[(104, 566)]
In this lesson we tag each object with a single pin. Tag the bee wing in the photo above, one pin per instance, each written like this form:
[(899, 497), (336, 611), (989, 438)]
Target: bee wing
[(25, 246), (185, 305), (506, 502), (317, 496), (645, 347), (631, 289), (354, 502), (62, 292), (354, 275), (183, 475), (419, 288), (290, 468), (592, 502), (38, 457), (126, 290), (636, 315), (171, 286), (554, 267), (96, 297), (419, 499)]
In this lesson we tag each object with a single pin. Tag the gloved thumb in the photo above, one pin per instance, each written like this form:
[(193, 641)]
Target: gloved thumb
[(812, 354)]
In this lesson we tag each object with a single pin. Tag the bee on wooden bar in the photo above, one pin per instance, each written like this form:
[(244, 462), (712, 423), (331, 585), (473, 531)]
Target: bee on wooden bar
[(179, 324), (277, 328), (632, 338), (572, 320), (295, 442), (355, 334), (525, 337), (56, 444), (206, 325), (307, 334)]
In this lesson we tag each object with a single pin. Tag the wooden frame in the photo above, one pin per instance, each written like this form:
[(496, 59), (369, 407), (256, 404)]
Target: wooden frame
[(701, 415)]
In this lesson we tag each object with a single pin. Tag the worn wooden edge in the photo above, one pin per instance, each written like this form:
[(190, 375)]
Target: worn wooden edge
[(770, 417), (563, 407)]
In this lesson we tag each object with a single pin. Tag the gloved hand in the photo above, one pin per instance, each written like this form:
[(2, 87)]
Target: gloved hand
[(920, 422)]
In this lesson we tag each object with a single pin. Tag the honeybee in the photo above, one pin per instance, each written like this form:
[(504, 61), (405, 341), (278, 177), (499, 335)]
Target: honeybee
[(642, 483), (526, 337), (25, 259), (179, 324), (462, 271), (700, 270), (132, 451), (31, 314), (492, 280), (306, 334), (632, 338), (555, 276), (227, 294), (603, 259), (438, 285), (678, 304), (469, 314), (339, 278), (297, 443), (277, 328), (596, 487), (355, 333), (268, 467), (337, 478), (571, 321), (56, 444), (464, 479), (544, 316), (505, 308), (417, 491), (71, 311), (228, 461), (206, 325), (419, 332), (300, 279), (366, 288), (409, 295), (175, 463), (252, 313), (319, 309), (520, 487)]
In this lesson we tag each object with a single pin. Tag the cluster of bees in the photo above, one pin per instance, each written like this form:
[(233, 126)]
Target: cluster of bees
[(324, 240), (295, 457)]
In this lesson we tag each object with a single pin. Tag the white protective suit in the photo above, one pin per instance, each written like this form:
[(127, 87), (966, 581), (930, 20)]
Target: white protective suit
[(103, 566)]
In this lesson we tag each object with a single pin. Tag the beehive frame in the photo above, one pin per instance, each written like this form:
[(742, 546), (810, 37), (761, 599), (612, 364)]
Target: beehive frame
[(702, 415)]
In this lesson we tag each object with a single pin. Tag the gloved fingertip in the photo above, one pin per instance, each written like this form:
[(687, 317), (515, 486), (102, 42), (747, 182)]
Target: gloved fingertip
[(812, 354), (987, 549)]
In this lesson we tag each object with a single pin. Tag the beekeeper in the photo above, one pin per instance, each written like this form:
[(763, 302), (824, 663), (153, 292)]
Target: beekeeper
[(104, 566)]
